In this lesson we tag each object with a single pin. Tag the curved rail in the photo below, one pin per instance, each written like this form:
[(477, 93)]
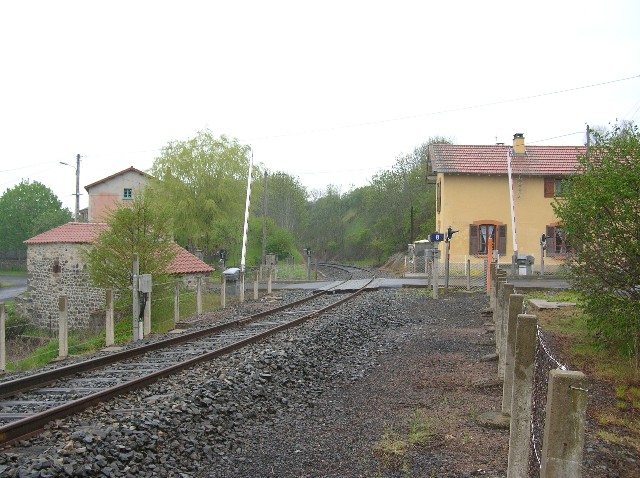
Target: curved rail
[(32, 424)]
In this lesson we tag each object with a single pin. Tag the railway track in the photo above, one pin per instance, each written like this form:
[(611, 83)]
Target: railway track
[(27, 404)]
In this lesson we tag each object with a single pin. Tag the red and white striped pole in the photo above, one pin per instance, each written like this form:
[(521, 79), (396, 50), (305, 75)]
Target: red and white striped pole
[(513, 213)]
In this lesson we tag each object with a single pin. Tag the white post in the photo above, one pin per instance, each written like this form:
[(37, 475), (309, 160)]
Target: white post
[(223, 292), (446, 265), (246, 223), (269, 282), (3, 338), (63, 328), (146, 329), (513, 211), (109, 325), (176, 303), (435, 270), (199, 297), (564, 424), (507, 290), (255, 289), (523, 368), (514, 308), (136, 300)]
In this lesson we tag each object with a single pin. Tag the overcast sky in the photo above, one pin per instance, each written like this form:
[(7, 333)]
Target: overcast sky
[(331, 92)]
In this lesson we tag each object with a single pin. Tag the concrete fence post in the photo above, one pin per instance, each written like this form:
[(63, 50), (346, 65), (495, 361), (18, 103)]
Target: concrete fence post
[(146, 317), (109, 335), (269, 283), (491, 282), (3, 338), (199, 296), (523, 369), (515, 308), (63, 327), (176, 303), (564, 425), (497, 309), (507, 290), (242, 274), (497, 312), (499, 275), (435, 270), (223, 293), (255, 289), (468, 274)]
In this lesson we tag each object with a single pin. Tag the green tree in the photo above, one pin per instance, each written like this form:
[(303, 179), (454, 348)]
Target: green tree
[(374, 221), (138, 228), (201, 185), (286, 201), (326, 228), (27, 210), (600, 212)]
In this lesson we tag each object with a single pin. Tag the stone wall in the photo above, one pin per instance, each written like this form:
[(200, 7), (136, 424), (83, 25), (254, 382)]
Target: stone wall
[(60, 269), (190, 281)]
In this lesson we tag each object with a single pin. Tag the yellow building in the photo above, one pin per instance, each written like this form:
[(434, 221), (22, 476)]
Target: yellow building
[(473, 197)]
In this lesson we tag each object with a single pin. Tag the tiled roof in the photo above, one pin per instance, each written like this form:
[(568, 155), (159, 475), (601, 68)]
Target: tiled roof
[(492, 159), (129, 169), (71, 232), (88, 232), (187, 263)]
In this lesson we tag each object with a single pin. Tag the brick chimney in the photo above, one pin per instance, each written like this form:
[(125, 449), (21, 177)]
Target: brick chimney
[(518, 143)]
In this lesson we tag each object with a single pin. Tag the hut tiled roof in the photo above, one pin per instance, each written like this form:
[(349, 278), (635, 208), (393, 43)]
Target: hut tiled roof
[(88, 232), (71, 232), (187, 263), (492, 159)]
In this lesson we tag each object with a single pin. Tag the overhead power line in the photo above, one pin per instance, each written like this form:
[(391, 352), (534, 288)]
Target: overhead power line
[(450, 110)]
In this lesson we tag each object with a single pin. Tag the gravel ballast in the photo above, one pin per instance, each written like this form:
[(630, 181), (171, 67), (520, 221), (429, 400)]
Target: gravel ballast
[(320, 400)]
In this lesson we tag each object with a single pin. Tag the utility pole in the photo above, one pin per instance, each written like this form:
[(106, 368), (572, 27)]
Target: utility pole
[(264, 221), (588, 141), (77, 194), (411, 227), (77, 218)]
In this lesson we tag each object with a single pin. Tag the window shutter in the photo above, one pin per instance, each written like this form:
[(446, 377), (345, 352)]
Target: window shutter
[(551, 241), (438, 196), (549, 187), (473, 239), (502, 239)]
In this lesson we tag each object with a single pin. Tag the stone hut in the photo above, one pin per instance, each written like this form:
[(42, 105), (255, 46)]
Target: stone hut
[(56, 265)]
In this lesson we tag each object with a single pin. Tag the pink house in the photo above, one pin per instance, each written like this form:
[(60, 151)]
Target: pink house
[(112, 191)]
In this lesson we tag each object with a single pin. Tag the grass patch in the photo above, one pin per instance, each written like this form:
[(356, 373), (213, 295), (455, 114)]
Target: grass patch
[(421, 429), (13, 272), (619, 420), (394, 447), (79, 343), (391, 449)]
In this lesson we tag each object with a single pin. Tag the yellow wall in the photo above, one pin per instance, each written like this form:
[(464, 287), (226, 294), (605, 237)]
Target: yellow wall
[(471, 198)]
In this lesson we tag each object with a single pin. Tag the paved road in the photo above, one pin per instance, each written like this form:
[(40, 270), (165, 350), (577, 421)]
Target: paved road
[(17, 287)]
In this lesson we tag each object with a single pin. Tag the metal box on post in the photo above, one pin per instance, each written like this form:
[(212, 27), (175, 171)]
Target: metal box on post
[(525, 263), (144, 283)]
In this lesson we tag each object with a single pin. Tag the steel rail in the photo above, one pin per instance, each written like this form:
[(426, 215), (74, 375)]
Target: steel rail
[(28, 382), (32, 425)]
